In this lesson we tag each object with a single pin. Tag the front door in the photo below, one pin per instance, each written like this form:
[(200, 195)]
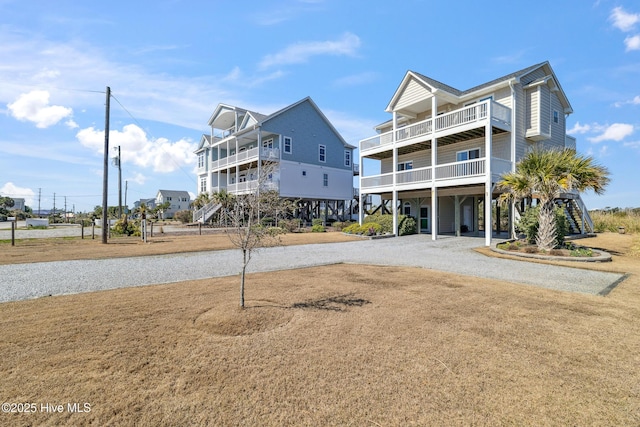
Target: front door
[(425, 223)]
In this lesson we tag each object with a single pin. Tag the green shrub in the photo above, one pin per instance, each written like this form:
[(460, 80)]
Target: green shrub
[(267, 221), (385, 221), (126, 228), (352, 228), (370, 229), (317, 228), (339, 226), (317, 221), (528, 224), (407, 226)]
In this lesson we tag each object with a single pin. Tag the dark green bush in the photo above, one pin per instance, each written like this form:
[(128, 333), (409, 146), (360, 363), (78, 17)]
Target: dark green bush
[(317, 221), (528, 224), (126, 228)]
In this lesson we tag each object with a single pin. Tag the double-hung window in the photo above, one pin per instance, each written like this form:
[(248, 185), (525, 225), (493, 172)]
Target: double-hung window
[(325, 179), (322, 153), (287, 145), (347, 158)]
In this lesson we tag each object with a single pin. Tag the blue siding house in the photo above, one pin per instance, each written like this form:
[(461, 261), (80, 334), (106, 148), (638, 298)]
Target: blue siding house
[(313, 163)]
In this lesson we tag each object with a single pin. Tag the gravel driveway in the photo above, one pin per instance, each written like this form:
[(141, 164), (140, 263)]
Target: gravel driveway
[(450, 254)]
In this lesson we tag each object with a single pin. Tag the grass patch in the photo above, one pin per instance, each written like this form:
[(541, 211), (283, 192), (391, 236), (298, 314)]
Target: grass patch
[(611, 221)]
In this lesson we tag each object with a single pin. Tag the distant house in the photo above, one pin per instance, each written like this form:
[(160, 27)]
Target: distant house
[(180, 200), (314, 164), (442, 152)]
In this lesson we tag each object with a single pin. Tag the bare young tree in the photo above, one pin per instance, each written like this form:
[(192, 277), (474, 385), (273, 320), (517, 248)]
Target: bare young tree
[(246, 231)]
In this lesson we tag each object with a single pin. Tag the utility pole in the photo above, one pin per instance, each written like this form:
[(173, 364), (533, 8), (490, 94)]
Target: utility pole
[(39, 194), (65, 209), (126, 187), (54, 207), (105, 176), (119, 185)]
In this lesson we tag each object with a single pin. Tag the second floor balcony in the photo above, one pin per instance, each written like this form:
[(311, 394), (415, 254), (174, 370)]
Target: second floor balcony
[(246, 156), (460, 120), (455, 173)]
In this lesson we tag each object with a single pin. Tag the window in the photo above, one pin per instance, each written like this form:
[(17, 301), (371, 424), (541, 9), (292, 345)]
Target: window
[(322, 153), (325, 179), (406, 209), (203, 184), (405, 166), (201, 160), (304, 173), (347, 158), (267, 143), (461, 156), (556, 116), (287, 145)]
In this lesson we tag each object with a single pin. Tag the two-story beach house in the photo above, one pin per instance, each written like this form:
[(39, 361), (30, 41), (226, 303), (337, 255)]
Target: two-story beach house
[(443, 151), (313, 163), (178, 200)]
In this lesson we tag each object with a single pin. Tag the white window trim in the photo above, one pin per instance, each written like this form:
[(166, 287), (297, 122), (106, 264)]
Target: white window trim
[(347, 158), (284, 145), (405, 164), (322, 147), (468, 151), (555, 114)]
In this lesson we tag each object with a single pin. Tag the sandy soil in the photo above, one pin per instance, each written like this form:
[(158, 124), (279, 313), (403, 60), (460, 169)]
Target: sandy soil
[(336, 345)]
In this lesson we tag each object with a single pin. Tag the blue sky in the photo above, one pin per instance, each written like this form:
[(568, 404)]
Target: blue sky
[(170, 62)]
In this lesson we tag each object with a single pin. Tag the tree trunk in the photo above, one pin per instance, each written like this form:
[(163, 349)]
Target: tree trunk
[(546, 238), (244, 268)]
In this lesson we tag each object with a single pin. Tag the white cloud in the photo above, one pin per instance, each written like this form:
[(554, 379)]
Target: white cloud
[(578, 128), (11, 190), (159, 154), (301, 52), (615, 132), (632, 144), (634, 101), (34, 107), (357, 79), (138, 178), (632, 42), (623, 20)]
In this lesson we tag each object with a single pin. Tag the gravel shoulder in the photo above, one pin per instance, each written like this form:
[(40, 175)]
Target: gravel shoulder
[(450, 254)]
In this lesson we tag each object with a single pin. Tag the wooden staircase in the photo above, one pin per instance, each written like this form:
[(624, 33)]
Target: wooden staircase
[(576, 212)]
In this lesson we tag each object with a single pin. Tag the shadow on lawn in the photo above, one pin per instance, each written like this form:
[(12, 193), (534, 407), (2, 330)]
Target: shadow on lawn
[(336, 303)]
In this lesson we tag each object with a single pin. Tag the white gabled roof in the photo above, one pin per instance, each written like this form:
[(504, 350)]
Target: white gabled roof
[(423, 88)]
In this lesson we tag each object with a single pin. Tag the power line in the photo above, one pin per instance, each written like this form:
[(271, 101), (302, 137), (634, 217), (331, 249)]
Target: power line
[(154, 139)]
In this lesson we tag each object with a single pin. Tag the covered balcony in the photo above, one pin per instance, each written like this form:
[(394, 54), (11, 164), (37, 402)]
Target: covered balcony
[(246, 156), (461, 124), (447, 174)]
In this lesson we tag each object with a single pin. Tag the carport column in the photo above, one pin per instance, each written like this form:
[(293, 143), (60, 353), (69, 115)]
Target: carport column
[(434, 162), (456, 201), (394, 207), (487, 186)]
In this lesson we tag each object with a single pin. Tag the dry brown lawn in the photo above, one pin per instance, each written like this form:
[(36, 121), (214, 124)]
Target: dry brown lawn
[(61, 249), (337, 345)]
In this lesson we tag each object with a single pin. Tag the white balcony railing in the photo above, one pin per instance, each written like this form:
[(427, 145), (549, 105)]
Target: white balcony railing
[(251, 186), (413, 176), (246, 156), (443, 123), (448, 171)]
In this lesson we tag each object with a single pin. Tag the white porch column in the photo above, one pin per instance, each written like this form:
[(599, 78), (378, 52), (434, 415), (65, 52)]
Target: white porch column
[(456, 202), (434, 161), (394, 192), (259, 144), (488, 231)]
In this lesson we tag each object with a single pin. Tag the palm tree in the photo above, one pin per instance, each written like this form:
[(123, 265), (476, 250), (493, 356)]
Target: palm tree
[(225, 199), (201, 201), (546, 174)]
